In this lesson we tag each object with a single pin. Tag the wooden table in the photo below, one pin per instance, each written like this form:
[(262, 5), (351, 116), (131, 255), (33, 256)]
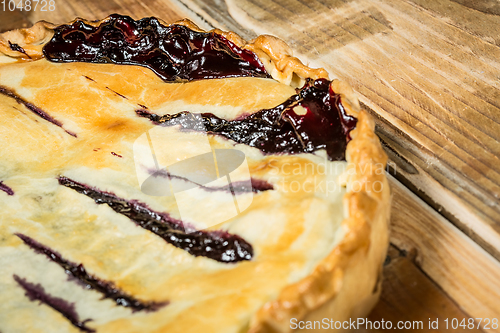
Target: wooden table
[(429, 72)]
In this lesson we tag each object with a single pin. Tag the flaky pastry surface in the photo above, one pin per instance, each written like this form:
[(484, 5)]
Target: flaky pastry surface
[(318, 251)]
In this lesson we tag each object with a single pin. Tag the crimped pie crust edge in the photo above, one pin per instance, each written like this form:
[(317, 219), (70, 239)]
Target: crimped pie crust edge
[(346, 283)]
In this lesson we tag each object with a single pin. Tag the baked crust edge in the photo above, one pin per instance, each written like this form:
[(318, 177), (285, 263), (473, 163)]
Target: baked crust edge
[(346, 283), (274, 53)]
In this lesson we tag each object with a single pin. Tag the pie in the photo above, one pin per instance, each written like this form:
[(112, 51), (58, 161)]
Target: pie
[(160, 178)]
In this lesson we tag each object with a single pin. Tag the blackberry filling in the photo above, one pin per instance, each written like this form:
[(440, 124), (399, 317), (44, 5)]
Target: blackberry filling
[(173, 52), (310, 120), (78, 272), (217, 245)]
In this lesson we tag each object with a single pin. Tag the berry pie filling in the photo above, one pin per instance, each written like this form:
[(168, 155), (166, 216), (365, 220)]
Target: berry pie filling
[(217, 245), (176, 53), (293, 132), (173, 52), (78, 273), (282, 129)]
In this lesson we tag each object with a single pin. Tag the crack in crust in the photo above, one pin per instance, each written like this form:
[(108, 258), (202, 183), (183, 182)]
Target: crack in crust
[(342, 284)]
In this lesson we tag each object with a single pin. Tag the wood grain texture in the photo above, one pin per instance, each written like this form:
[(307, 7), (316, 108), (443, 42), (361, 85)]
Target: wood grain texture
[(428, 69), (459, 266), (405, 287), (67, 10)]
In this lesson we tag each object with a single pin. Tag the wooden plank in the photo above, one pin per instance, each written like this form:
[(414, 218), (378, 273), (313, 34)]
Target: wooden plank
[(405, 287), (211, 14), (68, 10), (429, 69), (13, 20), (461, 268)]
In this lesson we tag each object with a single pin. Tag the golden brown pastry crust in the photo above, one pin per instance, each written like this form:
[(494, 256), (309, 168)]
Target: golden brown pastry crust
[(357, 259), (31, 40), (275, 54), (347, 280)]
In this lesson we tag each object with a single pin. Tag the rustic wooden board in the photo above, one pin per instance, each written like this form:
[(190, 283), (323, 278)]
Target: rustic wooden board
[(459, 266), (407, 287), (429, 70), (434, 271), (431, 81), (67, 10), (391, 86)]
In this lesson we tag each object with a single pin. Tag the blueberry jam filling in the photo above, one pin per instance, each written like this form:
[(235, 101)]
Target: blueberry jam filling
[(310, 120), (78, 272), (16, 48), (239, 187), (6, 189), (35, 292), (33, 108), (173, 52), (217, 245)]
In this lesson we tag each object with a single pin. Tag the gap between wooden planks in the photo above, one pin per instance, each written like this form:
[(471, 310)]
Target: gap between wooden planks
[(460, 267), (406, 287)]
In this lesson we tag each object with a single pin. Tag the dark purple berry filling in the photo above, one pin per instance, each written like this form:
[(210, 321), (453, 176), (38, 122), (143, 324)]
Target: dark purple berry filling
[(35, 292), (217, 245), (6, 189), (16, 48), (173, 52), (176, 52), (284, 128), (239, 187), (33, 108), (78, 272)]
